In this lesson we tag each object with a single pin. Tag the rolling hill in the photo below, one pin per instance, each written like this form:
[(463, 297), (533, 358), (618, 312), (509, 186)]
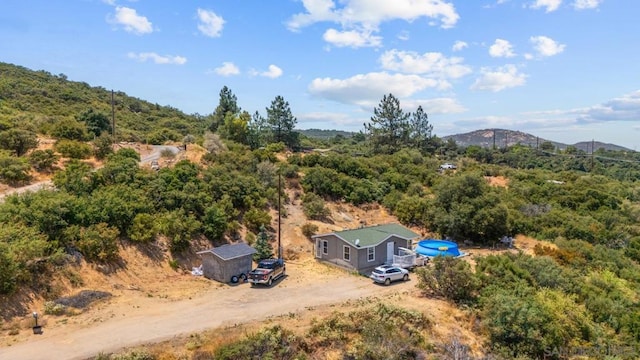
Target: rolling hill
[(501, 138)]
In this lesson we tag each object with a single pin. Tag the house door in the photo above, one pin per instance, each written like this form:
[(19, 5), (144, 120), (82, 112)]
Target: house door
[(318, 248), (390, 248)]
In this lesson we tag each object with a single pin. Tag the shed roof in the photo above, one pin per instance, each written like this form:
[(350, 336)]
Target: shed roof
[(230, 251), (373, 235)]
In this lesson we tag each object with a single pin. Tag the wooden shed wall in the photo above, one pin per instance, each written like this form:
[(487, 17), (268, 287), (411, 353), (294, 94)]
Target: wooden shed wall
[(215, 268)]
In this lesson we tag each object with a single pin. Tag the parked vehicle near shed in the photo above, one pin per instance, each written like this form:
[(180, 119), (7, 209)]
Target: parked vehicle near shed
[(386, 274), (267, 271)]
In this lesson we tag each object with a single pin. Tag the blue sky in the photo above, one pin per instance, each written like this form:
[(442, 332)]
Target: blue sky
[(564, 70)]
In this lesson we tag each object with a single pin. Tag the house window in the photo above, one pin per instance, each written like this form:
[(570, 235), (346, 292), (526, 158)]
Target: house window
[(371, 254), (346, 254), (325, 247)]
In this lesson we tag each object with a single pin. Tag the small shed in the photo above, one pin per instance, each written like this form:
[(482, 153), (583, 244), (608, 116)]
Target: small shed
[(227, 263)]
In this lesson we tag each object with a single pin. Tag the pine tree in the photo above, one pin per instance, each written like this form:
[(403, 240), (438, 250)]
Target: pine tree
[(421, 132), (389, 128), (228, 104), (282, 123), (263, 248)]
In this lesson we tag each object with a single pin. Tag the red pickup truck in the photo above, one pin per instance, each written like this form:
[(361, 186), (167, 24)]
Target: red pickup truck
[(267, 272)]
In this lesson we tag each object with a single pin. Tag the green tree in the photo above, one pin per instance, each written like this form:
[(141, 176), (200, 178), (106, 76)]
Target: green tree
[(421, 131), (263, 248), (282, 123), (256, 218), (70, 129), (96, 122), (163, 135), (118, 169), (18, 141), (13, 170), (116, 205), (43, 160), (73, 149), (103, 146), (179, 228), (256, 131), (227, 105), (467, 208), (97, 242), (235, 127), (8, 270), (314, 207), (214, 222), (75, 178), (143, 229), (547, 146), (388, 128), (450, 278)]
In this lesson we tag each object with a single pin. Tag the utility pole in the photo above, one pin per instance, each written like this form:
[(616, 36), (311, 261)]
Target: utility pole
[(494, 139), (592, 151)]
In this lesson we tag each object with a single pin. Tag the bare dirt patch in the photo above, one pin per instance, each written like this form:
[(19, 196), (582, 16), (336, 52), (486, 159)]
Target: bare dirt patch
[(499, 181)]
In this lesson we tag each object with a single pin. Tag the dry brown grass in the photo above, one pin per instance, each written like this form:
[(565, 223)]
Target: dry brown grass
[(499, 181)]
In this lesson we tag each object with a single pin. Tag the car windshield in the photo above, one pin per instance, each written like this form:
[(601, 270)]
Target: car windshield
[(267, 265), (378, 271)]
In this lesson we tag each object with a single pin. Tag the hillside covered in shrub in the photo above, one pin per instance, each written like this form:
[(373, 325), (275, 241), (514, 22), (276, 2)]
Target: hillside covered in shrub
[(581, 293)]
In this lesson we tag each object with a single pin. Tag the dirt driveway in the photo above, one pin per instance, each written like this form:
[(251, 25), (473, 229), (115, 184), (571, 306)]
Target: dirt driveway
[(115, 325)]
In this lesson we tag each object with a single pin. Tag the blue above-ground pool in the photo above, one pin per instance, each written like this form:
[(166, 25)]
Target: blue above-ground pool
[(433, 247)]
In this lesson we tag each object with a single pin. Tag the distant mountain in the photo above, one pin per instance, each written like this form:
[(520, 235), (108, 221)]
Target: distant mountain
[(501, 138), (325, 134)]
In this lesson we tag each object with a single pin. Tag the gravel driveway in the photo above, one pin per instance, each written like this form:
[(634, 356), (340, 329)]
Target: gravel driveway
[(117, 326)]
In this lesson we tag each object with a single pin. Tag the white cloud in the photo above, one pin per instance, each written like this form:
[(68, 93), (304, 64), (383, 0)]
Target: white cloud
[(497, 80), (363, 17), (404, 36), (546, 46), (586, 4), (210, 24), (625, 108), (431, 63), (435, 106), (131, 21), (352, 38), (109, 2), (158, 59), (549, 5), (459, 45), (501, 48), (227, 69), (367, 89), (371, 13), (273, 72)]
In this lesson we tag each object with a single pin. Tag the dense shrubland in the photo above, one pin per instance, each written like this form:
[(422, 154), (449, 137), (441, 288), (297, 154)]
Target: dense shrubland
[(580, 294)]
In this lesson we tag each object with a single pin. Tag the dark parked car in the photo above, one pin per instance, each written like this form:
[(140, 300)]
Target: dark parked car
[(386, 274), (267, 272)]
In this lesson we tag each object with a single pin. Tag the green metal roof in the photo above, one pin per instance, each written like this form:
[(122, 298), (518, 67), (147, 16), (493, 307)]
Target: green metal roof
[(373, 235)]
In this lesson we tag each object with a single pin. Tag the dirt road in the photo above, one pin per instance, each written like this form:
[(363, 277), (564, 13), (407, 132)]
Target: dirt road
[(149, 319)]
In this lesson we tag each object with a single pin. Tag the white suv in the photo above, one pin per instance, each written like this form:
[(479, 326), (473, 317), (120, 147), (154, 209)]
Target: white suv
[(386, 274)]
